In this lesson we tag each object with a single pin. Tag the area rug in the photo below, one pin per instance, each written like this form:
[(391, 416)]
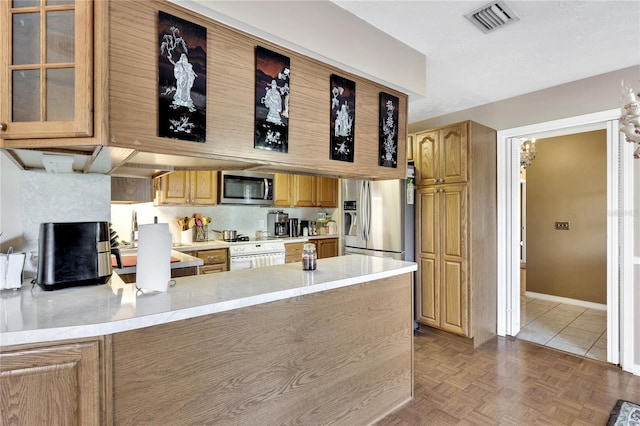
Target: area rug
[(624, 413)]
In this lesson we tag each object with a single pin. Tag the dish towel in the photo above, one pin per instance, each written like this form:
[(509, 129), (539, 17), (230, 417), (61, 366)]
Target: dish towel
[(262, 261)]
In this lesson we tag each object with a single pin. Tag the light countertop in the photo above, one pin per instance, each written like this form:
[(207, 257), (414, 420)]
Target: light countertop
[(33, 315), (184, 261), (217, 244)]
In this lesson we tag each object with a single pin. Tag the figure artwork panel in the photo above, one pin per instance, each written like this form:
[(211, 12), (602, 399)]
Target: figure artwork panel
[(343, 118), (182, 79), (272, 101), (388, 132)]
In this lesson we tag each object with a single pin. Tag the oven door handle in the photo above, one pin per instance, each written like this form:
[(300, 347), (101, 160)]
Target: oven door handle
[(249, 257)]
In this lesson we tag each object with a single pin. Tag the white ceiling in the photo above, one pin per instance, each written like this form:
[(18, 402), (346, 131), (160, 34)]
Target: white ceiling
[(554, 42)]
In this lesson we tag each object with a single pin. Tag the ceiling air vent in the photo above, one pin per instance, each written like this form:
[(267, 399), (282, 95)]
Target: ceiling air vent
[(492, 16)]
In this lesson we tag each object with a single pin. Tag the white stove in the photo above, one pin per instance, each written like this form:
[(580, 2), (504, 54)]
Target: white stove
[(255, 254)]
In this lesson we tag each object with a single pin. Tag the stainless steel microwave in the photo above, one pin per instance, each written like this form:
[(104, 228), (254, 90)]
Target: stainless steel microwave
[(246, 188)]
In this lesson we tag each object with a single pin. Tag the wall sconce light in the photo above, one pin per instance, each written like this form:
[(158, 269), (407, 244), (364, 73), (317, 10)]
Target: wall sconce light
[(527, 152), (630, 119)]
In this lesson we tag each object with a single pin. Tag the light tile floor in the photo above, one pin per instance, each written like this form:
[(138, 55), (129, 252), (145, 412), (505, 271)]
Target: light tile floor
[(570, 328)]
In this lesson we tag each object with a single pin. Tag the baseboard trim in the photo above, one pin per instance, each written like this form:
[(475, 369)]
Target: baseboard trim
[(559, 299), (425, 329)]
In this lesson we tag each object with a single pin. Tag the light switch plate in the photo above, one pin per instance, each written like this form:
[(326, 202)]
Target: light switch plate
[(562, 226)]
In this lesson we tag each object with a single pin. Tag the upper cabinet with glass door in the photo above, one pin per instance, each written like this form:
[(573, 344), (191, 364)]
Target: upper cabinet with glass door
[(47, 62)]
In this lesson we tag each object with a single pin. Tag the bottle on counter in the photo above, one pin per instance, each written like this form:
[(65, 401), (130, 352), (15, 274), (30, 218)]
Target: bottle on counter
[(309, 257)]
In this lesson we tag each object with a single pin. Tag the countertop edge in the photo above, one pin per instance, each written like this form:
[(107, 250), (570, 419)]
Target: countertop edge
[(43, 335)]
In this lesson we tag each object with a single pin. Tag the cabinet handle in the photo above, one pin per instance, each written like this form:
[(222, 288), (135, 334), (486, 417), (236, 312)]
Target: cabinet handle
[(3, 126)]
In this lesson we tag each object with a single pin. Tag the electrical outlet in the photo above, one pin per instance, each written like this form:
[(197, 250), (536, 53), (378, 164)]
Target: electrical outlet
[(562, 226), (261, 224)]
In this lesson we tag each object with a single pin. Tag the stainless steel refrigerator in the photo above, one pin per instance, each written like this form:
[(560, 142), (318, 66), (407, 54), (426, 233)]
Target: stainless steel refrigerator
[(376, 220)]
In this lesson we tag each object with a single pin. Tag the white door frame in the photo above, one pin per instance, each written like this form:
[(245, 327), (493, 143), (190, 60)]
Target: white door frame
[(619, 318)]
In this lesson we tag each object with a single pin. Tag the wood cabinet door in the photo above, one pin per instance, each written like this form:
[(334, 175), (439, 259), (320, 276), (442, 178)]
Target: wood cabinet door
[(60, 384), (204, 188), (293, 252), (410, 139), (327, 247), (427, 255), (454, 292), (304, 191), (213, 269), (49, 71), (282, 190), (326, 192), (453, 146), (425, 158), (174, 188)]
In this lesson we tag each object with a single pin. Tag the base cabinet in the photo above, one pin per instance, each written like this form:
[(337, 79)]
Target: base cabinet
[(216, 260), (455, 242), (293, 252), (326, 247), (54, 384)]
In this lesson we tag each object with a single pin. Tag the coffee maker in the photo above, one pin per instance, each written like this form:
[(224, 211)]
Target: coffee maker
[(278, 223)]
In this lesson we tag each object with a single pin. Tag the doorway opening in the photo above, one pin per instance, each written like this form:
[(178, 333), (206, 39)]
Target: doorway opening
[(563, 243), (618, 265)]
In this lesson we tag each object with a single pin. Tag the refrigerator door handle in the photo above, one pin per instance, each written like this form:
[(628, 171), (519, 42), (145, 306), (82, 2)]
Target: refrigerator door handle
[(368, 210), (365, 199), (363, 210)]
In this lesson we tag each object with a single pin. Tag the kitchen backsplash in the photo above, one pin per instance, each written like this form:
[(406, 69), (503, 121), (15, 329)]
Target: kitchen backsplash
[(244, 219), (55, 197), (35, 197)]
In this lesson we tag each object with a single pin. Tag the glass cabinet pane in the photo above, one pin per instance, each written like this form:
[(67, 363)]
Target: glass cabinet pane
[(26, 38), (60, 37), (26, 95), (49, 62), (25, 3), (60, 94)]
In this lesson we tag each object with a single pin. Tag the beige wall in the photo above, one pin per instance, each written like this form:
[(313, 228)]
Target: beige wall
[(568, 182)]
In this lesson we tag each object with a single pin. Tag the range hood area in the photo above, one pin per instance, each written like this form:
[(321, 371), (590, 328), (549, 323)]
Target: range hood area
[(116, 161), (124, 162)]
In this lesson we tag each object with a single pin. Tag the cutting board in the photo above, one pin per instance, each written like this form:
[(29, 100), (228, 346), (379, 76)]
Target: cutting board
[(129, 261)]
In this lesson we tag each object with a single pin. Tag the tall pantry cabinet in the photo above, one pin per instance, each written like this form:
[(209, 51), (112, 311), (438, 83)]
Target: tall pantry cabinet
[(456, 229)]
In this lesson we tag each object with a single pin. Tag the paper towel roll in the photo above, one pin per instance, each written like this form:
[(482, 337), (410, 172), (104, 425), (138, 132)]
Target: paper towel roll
[(11, 266), (153, 270)]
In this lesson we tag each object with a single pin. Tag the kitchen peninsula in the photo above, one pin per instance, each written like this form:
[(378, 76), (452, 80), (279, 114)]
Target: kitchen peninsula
[(265, 346)]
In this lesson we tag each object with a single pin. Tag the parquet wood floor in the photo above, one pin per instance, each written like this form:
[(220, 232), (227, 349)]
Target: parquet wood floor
[(508, 381)]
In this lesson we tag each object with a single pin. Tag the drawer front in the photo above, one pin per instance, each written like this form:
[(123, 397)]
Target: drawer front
[(213, 257), (212, 269), (294, 249), (293, 258)]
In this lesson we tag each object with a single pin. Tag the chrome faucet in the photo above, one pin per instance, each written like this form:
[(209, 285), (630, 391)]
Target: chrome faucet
[(134, 228)]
